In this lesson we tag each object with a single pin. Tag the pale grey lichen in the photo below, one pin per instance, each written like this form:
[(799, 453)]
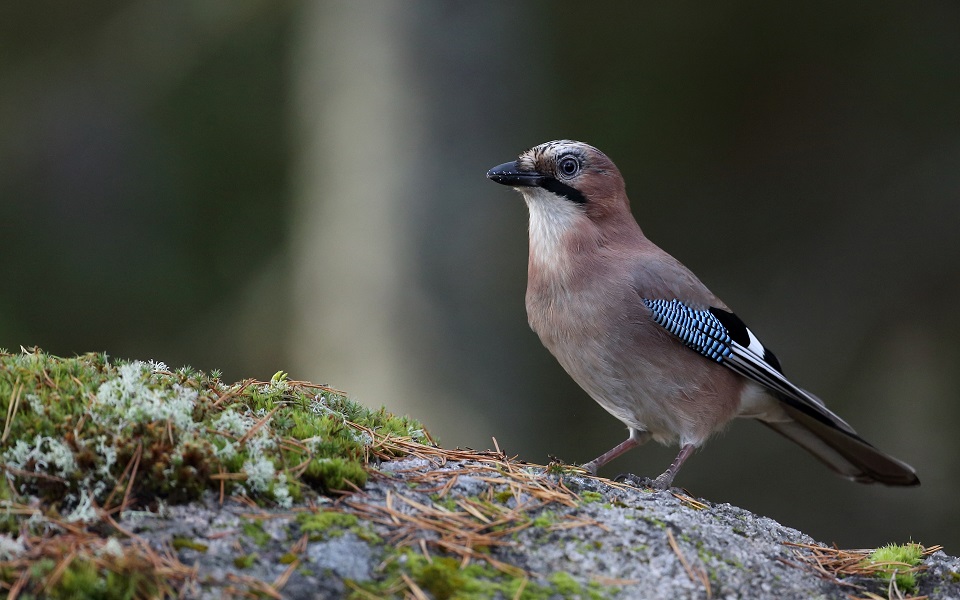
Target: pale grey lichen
[(112, 547), (129, 399), (45, 454), (36, 404), (85, 510), (259, 467), (260, 472), (10, 547), (281, 493)]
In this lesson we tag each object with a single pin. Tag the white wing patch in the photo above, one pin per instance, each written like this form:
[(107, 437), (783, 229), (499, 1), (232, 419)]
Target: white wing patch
[(755, 346)]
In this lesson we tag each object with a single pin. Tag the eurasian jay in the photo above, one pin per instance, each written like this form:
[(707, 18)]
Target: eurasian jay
[(644, 337)]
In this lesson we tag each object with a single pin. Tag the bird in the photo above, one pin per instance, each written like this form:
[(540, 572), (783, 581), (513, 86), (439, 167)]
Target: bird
[(644, 337)]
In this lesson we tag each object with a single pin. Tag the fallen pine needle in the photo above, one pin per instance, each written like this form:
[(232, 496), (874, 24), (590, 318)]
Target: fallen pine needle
[(414, 588), (695, 576)]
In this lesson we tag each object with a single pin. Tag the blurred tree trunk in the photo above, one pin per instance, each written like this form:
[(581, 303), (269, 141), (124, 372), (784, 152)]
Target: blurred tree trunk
[(392, 98)]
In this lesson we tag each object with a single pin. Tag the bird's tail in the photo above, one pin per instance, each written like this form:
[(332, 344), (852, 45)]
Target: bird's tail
[(843, 451)]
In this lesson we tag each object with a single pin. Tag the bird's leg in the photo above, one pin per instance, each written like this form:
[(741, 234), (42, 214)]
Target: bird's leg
[(663, 481), (636, 438)]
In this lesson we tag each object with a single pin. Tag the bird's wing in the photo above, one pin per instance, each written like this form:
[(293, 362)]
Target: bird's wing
[(721, 336)]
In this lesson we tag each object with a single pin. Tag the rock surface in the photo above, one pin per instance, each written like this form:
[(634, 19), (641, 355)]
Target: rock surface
[(125, 479), (555, 536)]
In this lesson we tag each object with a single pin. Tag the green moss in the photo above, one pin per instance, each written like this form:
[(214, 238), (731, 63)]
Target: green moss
[(441, 577), (83, 579), (80, 580), (590, 497), (245, 561), (894, 560), (656, 521), (332, 474), (329, 524), (9, 523), (255, 530), (41, 568), (4, 489), (75, 427), (503, 496), (566, 585), (179, 543), (447, 502), (288, 558), (444, 578), (557, 467), (545, 519), (82, 421), (325, 524)]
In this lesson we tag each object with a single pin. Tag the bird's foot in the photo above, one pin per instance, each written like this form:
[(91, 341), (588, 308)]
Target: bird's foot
[(636, 480), (641, 482), (590, 467), (663, 482)]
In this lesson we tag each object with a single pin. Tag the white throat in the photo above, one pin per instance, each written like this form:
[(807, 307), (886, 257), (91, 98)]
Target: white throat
[(552, 217)]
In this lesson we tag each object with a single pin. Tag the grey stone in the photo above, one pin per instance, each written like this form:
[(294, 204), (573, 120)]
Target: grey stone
[(621, 545)]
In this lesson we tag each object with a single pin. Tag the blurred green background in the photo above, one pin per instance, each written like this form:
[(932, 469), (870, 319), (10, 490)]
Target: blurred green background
[(254, 186)]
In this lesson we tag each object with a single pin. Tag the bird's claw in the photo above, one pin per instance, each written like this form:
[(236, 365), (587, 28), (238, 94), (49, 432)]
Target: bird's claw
[(642, 482)]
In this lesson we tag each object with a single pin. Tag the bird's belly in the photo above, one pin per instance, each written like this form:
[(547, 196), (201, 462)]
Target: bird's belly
[(641, 375), (641, 396)]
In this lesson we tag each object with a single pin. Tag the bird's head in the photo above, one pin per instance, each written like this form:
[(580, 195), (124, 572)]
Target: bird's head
[(576, 199), (566, 177)]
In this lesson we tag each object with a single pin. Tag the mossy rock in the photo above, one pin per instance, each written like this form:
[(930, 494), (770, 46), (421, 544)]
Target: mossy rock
[(78, 428)]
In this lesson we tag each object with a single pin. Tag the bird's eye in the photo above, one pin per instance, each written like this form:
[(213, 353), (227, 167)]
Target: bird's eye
[(568, 167)]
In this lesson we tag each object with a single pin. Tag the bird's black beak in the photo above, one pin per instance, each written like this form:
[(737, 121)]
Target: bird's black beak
[(510, 174)]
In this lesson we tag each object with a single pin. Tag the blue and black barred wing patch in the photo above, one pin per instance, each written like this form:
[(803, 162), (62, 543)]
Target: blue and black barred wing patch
[(721, 336), (698, 329)]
